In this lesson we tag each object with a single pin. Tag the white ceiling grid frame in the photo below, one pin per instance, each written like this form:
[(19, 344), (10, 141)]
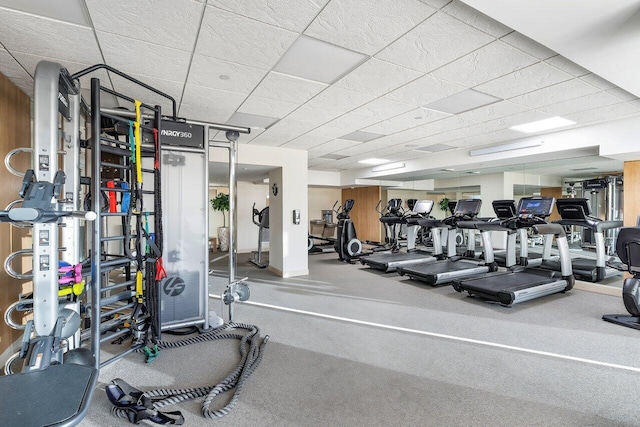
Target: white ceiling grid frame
[(133, 56), (564, 64), (208, 113), (197, 95), (31, 34), (609, 112), (290, 15), (339, 100), (405, 121), (14, 72), (380, 109), (435, 42), (583, 103), (242, 40), (206, 71), (518, 119), (266, 107), (376, 77), (330, 147), (306, 141), (525, 44), (313, 115), (476, 19), (282, 87), (171, 23), (364, 27), (597, 81), (525, 80), (622, 94), (423, 91), (553, 94), (487, 63), (493, 111)]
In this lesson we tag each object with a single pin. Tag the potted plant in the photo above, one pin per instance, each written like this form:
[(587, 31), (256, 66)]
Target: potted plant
[(221, 203), (444, 204)]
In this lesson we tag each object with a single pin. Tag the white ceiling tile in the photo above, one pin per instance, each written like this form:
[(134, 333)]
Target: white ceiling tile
[(220, 99), (490, 138), (287, 88), (564, 64), (410, 119), (553, 94), (597, 81), (528, 45), (528, 79), (588, 102), (318, 162), (518, 119), (358, 26), (64, 10), (377, 77), (206, 113), (434, 43), (493, 111), (234, 38), (291, 15), (172, 23), (476, 19), (615, 111), (236, 77), (339, 100), (489, 62), (304, 142), (436, 3), (424, 91), (266, 107), (381, 109), (333, 130), (268, 140), (622, 94), (135, 91), (135, 56), (444, 125), (313, 115), (330, 147), (13, 70), (24, 33), (635, 103)]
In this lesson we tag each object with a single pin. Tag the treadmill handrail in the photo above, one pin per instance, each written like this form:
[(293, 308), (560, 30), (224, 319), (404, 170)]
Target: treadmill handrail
[(556, 229), (597, 224)]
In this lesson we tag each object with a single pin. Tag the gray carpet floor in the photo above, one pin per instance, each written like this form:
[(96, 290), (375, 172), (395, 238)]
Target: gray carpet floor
[(367, 348)]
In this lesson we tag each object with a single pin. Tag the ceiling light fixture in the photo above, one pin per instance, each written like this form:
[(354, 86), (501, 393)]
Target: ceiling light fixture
[(505, 147), (373, 161), (540, 125), (462, 101), (388, 167)]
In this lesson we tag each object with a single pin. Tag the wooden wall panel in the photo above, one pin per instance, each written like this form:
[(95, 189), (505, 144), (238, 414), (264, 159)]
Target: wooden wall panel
[(631, 192), (552, 192), (364, 215), (15, 131)]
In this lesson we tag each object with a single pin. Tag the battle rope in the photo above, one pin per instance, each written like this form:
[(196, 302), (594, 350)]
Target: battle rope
[(135, 405)]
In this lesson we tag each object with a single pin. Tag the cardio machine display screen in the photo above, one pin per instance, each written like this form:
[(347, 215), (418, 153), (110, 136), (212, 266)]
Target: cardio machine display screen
[(541, 206), (423, 207), (468, 207)]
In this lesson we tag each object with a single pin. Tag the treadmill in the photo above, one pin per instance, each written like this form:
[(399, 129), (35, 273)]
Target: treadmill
[(576, 212), (524, 284), (454, 267), (390, 261)]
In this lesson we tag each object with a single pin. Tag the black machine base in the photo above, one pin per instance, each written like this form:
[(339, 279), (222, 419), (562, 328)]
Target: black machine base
[(623, 320)]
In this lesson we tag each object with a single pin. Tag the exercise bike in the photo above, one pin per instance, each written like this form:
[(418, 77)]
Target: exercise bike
[(628, 249), (263, 235)]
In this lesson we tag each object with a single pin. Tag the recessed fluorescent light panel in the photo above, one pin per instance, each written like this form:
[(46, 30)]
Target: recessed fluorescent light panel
[(333, 157), (582, 169), (540, 125), (252, 121), (361, 136), (462, 101), (373, 161), (435, 148), (505, 147), (313, 59), (388, 167)]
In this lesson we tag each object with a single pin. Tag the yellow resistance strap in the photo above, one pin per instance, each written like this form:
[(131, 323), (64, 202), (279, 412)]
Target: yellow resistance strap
[(138, 138), (139, 292)]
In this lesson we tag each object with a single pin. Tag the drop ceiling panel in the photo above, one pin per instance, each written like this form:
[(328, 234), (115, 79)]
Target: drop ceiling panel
[(304, 142), (206, 113), (525, 80), (135, 56), (24, 33), (493, 111), (266, 107), (349, 23), (424, 91), (595, 100), (434, 43), (286, 88), (172, 23), (518, 119), (291, 15), (610, 112), (444, 125), (597, 81), (234, 38), (330, 147), (135, 91), (219, 74), (219, 99), (14, 72), (318, 162), (339, 100), (376, 77), (621, 94), (489, 138), (553, 94), (410, 119), (525, 44), (487, 63), (313, 115), (436, 3), (565, 65), (381, 109), (476, 19)]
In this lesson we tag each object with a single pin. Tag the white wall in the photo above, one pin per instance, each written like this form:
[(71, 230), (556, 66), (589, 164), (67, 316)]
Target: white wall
[(322, 199)]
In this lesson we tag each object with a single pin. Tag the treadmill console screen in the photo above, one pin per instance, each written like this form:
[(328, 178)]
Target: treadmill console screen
[(576, 208), (422, 207), (536, 206), (504, 209), (468, 207)]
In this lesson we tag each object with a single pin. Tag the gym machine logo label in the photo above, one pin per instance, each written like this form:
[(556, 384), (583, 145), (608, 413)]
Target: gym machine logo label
[(173, 286), (182, 134)]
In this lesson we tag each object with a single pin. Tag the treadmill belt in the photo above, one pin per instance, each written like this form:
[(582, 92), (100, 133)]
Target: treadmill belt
[(439, 267), (583, 268), (510, 282)]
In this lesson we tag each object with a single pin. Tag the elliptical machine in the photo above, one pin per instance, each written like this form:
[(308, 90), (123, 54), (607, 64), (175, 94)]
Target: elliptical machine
[(628, 249), (263, 235), (347, 244)]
